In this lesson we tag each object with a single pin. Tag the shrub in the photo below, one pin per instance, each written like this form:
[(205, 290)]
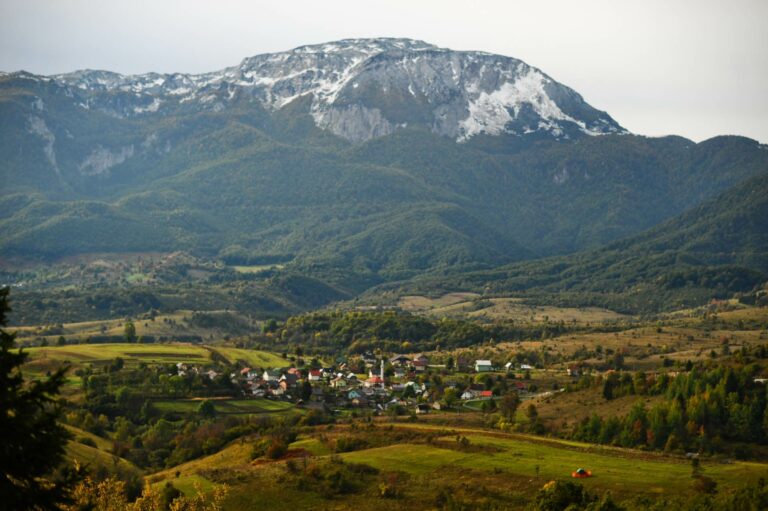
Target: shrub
[(349, 443), (277, 449)]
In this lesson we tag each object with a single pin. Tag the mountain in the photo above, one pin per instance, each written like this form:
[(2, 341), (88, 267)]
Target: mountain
[(361, 89), (359, 161), (711, 251)]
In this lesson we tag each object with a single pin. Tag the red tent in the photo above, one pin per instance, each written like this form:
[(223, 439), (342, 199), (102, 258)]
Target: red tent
[(581, 473)]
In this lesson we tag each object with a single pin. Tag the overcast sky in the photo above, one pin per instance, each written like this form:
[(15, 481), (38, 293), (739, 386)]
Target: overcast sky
[(696, 68)]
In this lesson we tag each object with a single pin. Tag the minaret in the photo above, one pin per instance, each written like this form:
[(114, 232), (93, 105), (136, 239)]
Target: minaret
[(381, 372)]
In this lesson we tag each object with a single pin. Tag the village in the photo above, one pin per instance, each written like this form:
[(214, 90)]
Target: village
[(397, 385)]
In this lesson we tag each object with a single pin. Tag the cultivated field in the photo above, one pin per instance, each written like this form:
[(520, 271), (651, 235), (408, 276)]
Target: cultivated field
[(252, 358), (165, 326), (81, 354), (225, 406)]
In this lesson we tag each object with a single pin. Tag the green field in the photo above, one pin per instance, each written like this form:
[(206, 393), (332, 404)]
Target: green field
[(254, 358), (623, 472), (225, 406), (79, 354), (98, 456), (101, 443), (131, 353), (515, 465)]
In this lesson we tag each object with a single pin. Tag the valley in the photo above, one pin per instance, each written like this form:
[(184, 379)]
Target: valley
[(373, 272)]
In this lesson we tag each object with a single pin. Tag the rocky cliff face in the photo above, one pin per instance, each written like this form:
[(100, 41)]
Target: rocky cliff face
[(361, 89)]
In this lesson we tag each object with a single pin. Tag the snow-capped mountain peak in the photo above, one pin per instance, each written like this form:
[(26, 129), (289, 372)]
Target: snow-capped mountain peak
[(364, 88)]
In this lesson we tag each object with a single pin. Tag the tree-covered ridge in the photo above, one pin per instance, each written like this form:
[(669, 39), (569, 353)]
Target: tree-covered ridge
[(712, 251), (356, 332)]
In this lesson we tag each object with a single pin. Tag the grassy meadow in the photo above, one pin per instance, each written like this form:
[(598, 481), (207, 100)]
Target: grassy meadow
[(166, 326), (225, 406), (508, 466), (473, 306), (82, 354)]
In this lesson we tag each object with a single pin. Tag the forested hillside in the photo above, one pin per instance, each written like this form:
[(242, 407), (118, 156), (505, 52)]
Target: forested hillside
[(712, 251)]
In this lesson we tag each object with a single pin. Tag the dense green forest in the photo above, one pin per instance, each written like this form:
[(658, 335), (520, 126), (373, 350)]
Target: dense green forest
[(356, 332), (703, 410), (715, 250)]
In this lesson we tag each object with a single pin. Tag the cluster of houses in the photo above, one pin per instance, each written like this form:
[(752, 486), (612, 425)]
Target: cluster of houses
[(338, 387), (183, 369)]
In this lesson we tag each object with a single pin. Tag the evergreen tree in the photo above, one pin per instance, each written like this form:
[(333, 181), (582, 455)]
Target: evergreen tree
[(206, 409), (130, 331), (33, 442)]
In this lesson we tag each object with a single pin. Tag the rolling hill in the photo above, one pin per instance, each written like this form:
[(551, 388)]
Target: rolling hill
[(712, 251)]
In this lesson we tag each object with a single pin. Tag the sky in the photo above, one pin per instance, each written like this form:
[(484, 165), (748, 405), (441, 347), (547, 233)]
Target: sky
[(696, 68)]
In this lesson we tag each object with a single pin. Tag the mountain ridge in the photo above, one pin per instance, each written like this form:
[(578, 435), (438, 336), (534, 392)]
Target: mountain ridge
[(457, 94)]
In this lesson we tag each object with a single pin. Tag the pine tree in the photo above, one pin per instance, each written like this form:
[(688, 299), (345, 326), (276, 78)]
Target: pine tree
[(33, 441)]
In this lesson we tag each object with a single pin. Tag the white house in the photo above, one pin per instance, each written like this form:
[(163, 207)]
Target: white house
[(270, 375), (482, 366)]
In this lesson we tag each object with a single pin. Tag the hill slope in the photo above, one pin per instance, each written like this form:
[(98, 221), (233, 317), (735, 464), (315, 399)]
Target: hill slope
[(711, 251)]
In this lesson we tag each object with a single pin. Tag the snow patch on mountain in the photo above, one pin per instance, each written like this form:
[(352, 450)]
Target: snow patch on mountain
[(354, 83), (491, 112), (38, 127), (152, 107), (101, 159)]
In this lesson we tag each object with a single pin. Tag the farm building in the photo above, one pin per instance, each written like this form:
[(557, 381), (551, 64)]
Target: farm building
[(482, 366)]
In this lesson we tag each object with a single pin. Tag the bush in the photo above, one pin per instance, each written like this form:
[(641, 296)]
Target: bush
[(704, 484), (259, 449), (277, 449), (348, 444), (561, 495)]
